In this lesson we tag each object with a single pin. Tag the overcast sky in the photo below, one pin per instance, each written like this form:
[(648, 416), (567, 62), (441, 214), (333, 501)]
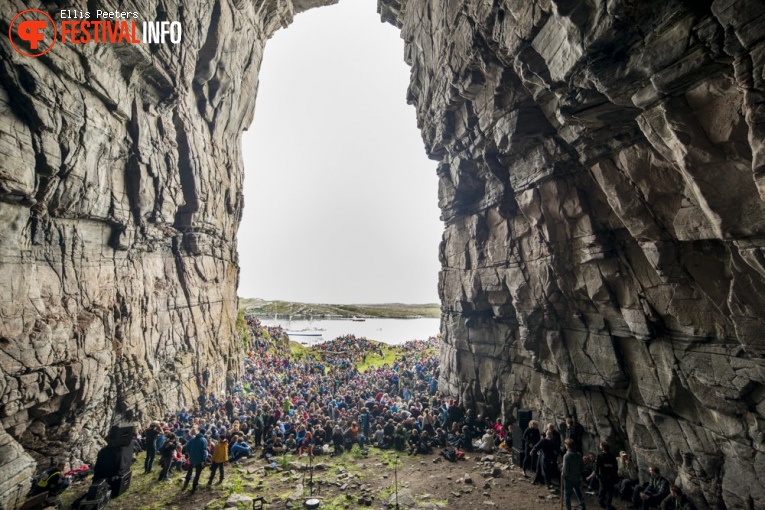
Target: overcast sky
[(340, 198)]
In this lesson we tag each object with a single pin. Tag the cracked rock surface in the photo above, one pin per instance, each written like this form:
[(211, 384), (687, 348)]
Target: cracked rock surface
[(602, 175)]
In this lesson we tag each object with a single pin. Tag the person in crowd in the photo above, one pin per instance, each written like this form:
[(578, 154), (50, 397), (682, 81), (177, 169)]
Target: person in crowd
[(197, 451), (627, 476), (307, 444), (52, 481), (400, 437), (607, 472), (590, 476), (677, 500), (219, 457), (575, 432), (572, 475), (547, 462), (413, 441), (179, 459), (291, 444), (338, 440), (166, 452), (378, 439), (651, 493), (150, 443), (465, 440), (487, 441), (424, 445), (531, 437), (240, 449)]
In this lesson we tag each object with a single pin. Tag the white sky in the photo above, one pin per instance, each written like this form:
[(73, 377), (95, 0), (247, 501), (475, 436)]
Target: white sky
[(340, 198)]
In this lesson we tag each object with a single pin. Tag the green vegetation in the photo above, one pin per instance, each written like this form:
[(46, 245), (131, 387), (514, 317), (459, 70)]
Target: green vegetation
[(375, 361), (298, 351), (241, 328), (266, 308)]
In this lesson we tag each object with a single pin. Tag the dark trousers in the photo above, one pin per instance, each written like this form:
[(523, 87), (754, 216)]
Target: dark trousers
[(165, 463), (198, 468), (547, 470), (606, 493), (151, 452), (645, 504), (215, 466)]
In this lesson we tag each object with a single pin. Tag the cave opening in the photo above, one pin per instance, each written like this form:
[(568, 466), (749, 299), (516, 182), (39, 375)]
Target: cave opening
[(337, 182)]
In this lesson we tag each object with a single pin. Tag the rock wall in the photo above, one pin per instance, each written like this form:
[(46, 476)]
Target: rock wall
[(120, 198), (601, 182), (601, 179)]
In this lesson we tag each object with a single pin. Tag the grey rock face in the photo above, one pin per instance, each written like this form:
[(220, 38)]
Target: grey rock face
[(600, 180), (120, 197), (601, 177)]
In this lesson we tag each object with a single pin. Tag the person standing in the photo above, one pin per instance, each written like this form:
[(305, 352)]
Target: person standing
[(166, 452), (197, 450), (219, 456), (572, 475), (230, 409), (547, 464), (150, 439), (531, 436), (607, 472)]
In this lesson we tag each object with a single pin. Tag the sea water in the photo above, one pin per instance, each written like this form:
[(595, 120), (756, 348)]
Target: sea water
[(390, 331)]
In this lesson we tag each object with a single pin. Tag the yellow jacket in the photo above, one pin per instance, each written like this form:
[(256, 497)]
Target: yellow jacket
[(220, 453)]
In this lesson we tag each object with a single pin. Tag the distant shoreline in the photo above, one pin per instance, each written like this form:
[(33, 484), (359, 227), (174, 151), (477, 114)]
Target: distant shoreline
[(309, 311)]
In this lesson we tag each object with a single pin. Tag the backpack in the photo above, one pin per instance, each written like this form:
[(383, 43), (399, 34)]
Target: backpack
[(449, 454)]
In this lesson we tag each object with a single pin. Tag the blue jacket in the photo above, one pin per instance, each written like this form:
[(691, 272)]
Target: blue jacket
[(239, 448), (197, 449)]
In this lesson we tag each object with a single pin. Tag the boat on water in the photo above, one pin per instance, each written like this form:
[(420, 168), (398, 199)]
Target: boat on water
[(304, 333), (357, 319)]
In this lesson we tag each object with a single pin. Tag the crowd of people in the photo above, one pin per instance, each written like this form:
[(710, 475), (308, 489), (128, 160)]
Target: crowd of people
[(556, 454), (322, 404)]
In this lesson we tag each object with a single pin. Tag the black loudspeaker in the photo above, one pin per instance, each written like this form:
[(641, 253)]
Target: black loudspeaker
[(112, 461), (121, 434), (97, 497), (120, 484), (524, 417), (125, 455)]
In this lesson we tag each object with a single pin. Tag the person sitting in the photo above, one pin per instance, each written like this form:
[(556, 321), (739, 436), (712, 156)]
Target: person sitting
[(651, 493), (627, 476), (399, 438), (677, 500), (424, 445), (240, 449), (52, 481), (306, 446), (338, 440), (414, 438), (348, 439), (440, 438), (291, 444), (378, 437), (178, 460), (464, 441), (487, 441)]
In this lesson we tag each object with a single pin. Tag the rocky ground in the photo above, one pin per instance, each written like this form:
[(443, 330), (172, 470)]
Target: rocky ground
[(349, 482)]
